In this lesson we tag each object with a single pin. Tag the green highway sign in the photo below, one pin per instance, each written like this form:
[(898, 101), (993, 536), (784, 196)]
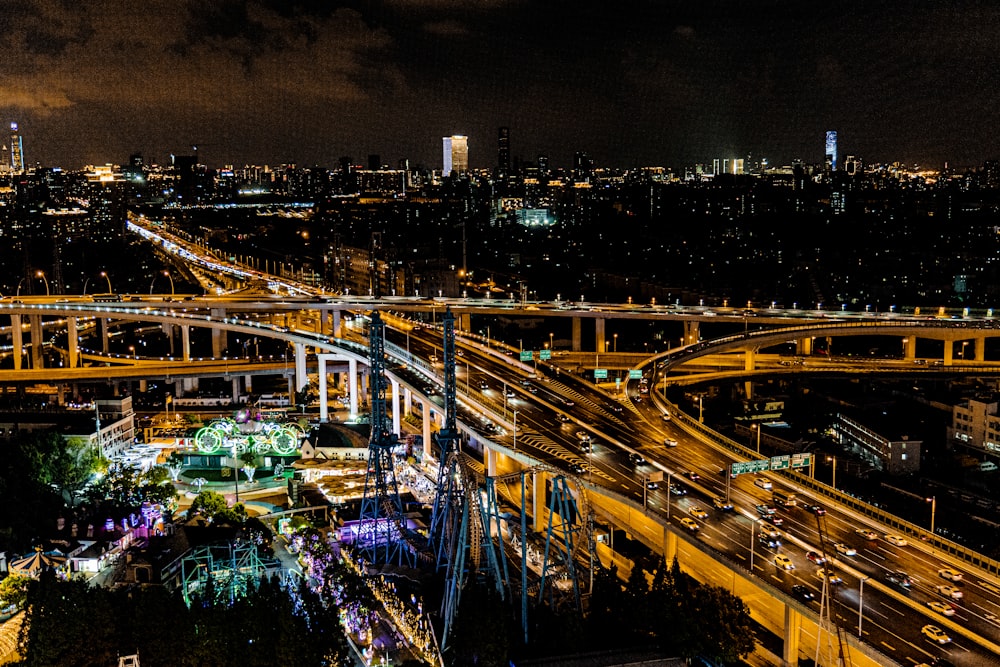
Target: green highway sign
[(780, 462), (618, 382), (600, 373), (743, 467), (803, 460), (527, 355), (634, 374), (544, 355)]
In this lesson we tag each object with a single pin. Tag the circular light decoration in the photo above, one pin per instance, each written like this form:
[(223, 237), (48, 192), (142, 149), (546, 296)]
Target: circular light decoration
[(209, 439), (284, 441)]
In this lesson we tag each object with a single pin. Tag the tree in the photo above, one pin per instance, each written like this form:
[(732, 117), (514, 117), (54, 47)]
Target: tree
[(14, 590), (208, 504), (65, 464)]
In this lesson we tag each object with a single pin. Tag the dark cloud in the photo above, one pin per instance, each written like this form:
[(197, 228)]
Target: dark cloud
[(636, 81)]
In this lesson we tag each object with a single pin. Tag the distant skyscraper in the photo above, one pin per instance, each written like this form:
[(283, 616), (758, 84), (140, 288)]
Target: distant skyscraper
[(456, 154), (831, 150), (503, 150), (374, 162), (715, 166), (16, 149)]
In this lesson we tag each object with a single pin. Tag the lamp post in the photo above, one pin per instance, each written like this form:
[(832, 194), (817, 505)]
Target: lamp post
[(933, 501), (104, 274), (85, 282), (615, 349), (171, 279), (757, 428), (861, 602), (515, 426), (753, 536), (834, 460), (131, 348), (41, 274), (670, 492), (551, 345)]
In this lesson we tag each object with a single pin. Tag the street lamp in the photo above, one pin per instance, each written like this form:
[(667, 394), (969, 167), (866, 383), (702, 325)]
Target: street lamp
[(551, 345), (933, 501), (757, 427), (670, 476), (171, 279), (616, 343), (41, 274), (515, 426), (834, 460), (104, 274), (131, 348), (753, 536), (861, 602)]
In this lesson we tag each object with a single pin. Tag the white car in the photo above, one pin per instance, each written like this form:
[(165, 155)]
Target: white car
[(698, 513), (942, 608), (845, 549), (936, 634), (784, 562), (896, 540), (669, 442), (950, 574), (949, 591), (763, 482)]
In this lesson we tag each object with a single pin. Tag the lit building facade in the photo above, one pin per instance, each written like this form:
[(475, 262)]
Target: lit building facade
[(831, 150), (16, 149), (456, 154)]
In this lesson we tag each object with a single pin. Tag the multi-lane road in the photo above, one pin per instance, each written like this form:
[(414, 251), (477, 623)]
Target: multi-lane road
[(558, 413)]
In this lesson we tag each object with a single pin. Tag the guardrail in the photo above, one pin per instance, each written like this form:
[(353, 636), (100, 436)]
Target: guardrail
[(907, 528)]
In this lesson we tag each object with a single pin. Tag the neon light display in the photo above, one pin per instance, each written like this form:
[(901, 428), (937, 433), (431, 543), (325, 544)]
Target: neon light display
[(256, 437)]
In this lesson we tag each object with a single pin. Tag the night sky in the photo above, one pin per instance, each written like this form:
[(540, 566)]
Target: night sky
[(629, 82)]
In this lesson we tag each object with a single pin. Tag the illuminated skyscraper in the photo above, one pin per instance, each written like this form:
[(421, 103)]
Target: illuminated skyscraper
[(503, 150), (831, 150), (456, 154), (16, 150)]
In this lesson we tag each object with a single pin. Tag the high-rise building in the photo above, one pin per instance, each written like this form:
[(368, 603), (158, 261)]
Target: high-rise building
[(831, 150), (503, 150), (456, 154), (715, 166), (16, 150)]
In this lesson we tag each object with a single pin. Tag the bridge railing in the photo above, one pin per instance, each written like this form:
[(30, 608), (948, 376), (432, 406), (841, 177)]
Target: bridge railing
[(963, 553)]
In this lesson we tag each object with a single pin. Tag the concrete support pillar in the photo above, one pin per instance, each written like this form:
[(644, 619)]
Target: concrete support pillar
[(143, 387), (692, 331), (103, 332), (465, 322), (829, 346), (538, 501), (219, 342), (60, 394), (337, 333), (980, 342), (910, 348), (426, 429), (352, 387), (490, 461), (949, 352), (577, 327), (669, 545), (248, 383), (72, 343), (324, 412), (804, 347), (168, 331), (395, 406), (301, 379), (793, 630), (17, 340), (179, 388), (186, 342), (599, 335), (236, 389), (749, 360), (407, 401), (37, 340)]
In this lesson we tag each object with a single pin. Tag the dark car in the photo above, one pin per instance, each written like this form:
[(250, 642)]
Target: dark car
[(636, 458), (802, 592), (769, 540), (899, 578), (816, 509), (678, 490), (576, 469)]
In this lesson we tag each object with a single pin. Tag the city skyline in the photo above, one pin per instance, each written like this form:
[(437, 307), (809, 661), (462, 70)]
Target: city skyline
[(639, 83)]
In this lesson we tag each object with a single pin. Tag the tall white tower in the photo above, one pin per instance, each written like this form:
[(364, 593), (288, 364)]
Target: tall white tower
[(456, 154), (16, 150)]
